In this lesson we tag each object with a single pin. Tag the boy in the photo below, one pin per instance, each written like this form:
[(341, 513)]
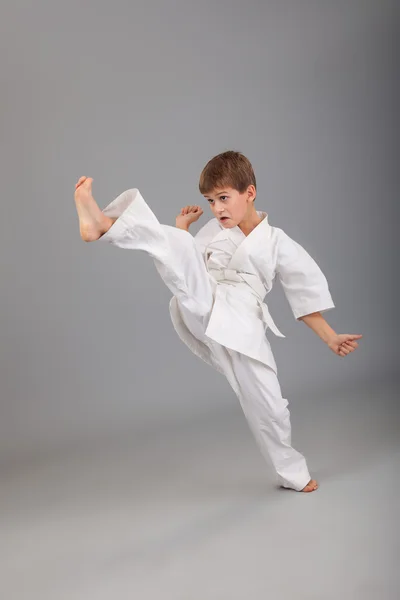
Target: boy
[(219, 279)]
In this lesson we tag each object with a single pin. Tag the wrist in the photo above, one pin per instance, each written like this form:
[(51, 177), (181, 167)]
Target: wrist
[(330, 338), (182, 226), (317, 323)]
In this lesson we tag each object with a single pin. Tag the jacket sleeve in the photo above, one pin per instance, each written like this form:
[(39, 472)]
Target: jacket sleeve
[(304, 284)]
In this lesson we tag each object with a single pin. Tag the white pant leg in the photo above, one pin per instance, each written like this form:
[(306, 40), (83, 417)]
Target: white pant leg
[(269, 419), (175, 254)]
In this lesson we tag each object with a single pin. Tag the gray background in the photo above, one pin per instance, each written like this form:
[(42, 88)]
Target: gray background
[(126, 467), (141, 95)]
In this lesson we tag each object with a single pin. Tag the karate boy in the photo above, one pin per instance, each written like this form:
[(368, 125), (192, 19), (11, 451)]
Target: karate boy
[(219, 279)]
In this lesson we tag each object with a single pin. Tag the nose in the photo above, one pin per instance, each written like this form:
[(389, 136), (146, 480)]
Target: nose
[(219, 208)]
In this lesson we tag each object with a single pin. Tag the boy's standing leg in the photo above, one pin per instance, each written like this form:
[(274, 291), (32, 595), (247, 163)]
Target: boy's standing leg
[(269, 419)]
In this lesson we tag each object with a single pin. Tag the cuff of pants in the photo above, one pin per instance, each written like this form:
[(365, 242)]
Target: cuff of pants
[(136, 226), (123, 208)]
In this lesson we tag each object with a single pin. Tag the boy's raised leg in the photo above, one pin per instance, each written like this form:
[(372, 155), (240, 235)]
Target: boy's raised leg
[(93, 223)]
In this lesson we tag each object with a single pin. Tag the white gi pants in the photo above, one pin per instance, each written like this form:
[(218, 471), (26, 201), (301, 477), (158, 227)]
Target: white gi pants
[(181, 266)]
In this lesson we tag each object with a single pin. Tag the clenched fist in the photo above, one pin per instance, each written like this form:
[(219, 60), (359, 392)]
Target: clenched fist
[(344, 343), (187, 216)]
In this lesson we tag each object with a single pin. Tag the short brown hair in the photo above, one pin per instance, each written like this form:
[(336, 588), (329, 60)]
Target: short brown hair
[(231, 169)]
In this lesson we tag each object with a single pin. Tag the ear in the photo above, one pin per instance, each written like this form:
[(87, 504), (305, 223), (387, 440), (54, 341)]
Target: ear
[(251, 193)]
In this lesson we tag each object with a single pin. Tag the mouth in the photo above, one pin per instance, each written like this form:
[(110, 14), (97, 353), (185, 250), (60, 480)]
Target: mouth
[(223, 218)]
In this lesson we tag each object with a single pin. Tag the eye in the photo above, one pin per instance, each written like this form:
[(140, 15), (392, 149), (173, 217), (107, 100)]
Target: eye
[(210, 201), (223, 197)]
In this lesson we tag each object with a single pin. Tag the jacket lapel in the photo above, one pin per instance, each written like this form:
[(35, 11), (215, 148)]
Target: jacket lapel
[(256, 239)]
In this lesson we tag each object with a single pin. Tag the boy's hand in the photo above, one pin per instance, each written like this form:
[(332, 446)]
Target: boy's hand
[(187, 216), (344, 343)]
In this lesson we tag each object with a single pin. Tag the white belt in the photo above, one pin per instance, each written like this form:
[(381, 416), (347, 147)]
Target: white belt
[(232, 276)]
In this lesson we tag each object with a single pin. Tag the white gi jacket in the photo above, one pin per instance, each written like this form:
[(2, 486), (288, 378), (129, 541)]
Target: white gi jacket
[(244, 269), (240, 270)]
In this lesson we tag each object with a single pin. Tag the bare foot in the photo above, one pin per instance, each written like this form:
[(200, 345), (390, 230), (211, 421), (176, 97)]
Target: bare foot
[(92, 221), (311, 486)]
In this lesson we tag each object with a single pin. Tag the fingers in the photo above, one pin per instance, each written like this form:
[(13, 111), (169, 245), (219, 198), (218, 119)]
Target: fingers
[(347, 347), (348, 344), (351, 344), (191, 209)]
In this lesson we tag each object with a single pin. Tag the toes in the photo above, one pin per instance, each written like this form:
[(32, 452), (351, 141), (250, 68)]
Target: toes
[(88, 183), (311, 486), (80, 181)]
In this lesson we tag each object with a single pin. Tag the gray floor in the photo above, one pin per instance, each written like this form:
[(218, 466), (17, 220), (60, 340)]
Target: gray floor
[(193, 513)]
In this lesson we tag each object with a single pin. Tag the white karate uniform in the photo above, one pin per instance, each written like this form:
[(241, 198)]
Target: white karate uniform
[(219, 279)]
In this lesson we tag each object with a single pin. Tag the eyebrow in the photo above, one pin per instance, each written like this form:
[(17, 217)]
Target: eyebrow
[(219, 194)]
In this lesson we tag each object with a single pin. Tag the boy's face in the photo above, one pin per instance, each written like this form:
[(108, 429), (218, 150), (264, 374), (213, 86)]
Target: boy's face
[(231, 207)]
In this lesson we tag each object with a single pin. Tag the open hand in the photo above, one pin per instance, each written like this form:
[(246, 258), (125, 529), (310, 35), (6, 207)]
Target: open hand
[(344, 343), (188, 215)]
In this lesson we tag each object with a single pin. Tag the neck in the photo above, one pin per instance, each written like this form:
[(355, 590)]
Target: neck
[(250, 222)]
